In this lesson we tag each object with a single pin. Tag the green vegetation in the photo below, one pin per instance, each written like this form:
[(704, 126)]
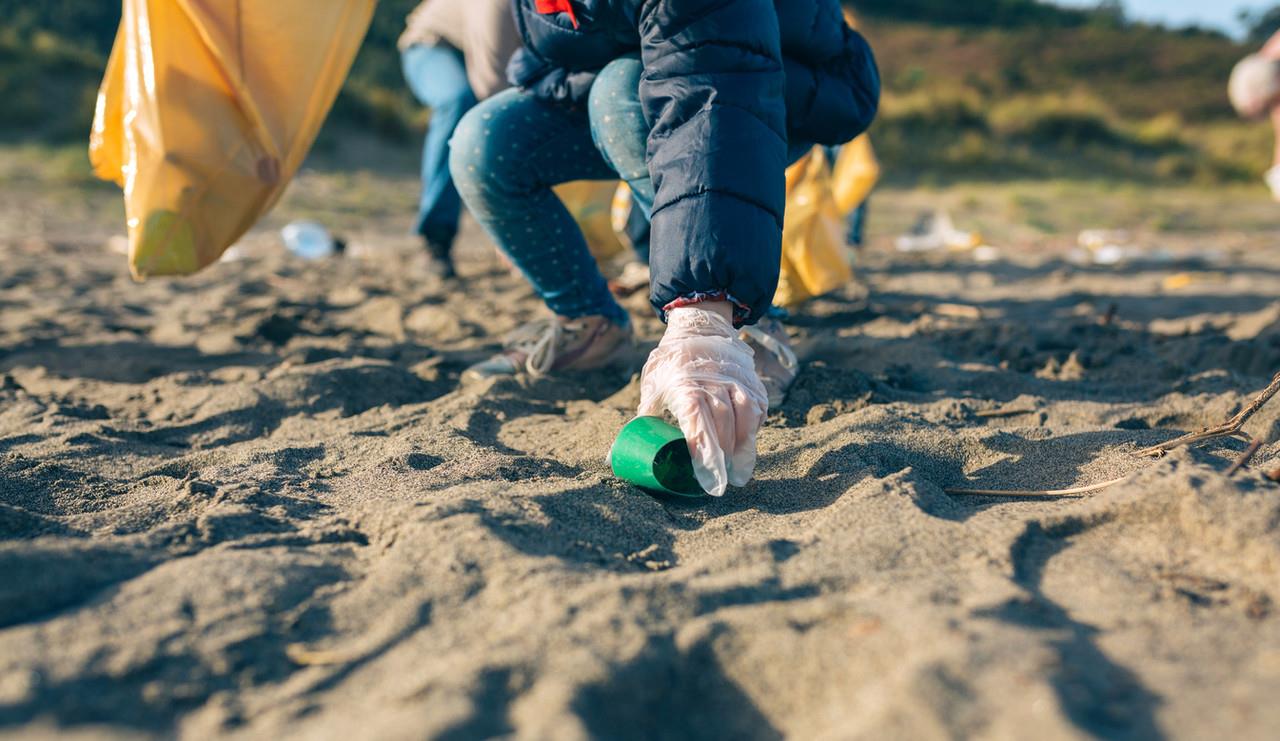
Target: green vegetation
[(52, 54), (991, 13), (981, 89), (51, 57), (1073, 100)]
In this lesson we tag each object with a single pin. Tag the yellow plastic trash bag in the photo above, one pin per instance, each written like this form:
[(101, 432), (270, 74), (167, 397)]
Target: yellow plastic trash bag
[(856, 172), (591, 202), (106, 138), (813, 248), (207, 110)]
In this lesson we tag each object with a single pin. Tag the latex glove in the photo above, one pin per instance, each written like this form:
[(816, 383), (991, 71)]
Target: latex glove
[(1254, 87), (705, 376)]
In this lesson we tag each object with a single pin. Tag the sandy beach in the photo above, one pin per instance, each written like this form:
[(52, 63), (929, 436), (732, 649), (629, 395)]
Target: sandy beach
[(257, 503)]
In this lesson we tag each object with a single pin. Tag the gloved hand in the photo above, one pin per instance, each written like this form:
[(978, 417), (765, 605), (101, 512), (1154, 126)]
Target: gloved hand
[(1273, 177), (705, 376), (1254, 88)]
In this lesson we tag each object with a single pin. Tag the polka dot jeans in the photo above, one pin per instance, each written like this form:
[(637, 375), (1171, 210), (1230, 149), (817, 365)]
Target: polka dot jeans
[(510, 150)]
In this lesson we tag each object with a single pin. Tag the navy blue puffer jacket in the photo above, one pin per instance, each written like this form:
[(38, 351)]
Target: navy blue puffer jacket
[(727, 83)]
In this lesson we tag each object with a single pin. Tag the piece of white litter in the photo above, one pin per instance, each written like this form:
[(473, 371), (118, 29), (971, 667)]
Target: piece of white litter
[(986, 253), (1096, 239), (936, 231), (1109, 254)]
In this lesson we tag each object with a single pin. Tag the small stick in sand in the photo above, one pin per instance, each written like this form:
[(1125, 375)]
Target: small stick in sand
[(1244, 458), (1012, 412), (1036, 492), (304, 656), (1230, 428), (1110, 316), (957, 311)]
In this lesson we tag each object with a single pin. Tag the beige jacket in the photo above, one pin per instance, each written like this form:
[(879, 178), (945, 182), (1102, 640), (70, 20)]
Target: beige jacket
[(483, 30)]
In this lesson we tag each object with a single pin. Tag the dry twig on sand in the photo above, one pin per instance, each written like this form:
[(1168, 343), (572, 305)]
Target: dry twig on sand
[(1230, 428), (1244, 458), (1015, 493), (1008, 412)]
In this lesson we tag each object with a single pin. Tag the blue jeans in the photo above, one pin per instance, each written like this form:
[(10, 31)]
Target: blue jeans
[(437, 76), (858, 224), (508, 153), (621, 135)]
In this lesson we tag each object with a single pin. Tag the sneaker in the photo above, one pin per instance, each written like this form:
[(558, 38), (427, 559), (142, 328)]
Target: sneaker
[(776, 362), (557, 344)]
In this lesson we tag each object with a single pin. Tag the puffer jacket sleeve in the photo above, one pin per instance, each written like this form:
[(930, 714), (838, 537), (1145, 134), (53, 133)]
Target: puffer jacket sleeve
[(714, 93), (833, 86)]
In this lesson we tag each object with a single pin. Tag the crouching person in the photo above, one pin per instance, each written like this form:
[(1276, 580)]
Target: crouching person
[(699, 105), (453, 53), (1255, 93)]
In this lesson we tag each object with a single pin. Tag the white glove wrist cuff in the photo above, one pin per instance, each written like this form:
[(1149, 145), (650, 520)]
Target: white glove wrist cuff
[(695, 319)]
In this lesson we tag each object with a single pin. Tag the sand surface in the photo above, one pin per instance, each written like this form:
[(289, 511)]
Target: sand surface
[(257, 503)]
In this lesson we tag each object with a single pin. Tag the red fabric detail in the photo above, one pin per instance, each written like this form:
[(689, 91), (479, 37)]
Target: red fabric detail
[(551, 7)]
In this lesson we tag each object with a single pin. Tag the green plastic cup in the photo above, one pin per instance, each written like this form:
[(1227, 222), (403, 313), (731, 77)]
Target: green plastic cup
[(654, 456)]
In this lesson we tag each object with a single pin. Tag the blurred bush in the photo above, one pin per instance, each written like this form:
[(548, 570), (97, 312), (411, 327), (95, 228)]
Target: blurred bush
[(53, 52), (1055, 93), (985, 88)]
